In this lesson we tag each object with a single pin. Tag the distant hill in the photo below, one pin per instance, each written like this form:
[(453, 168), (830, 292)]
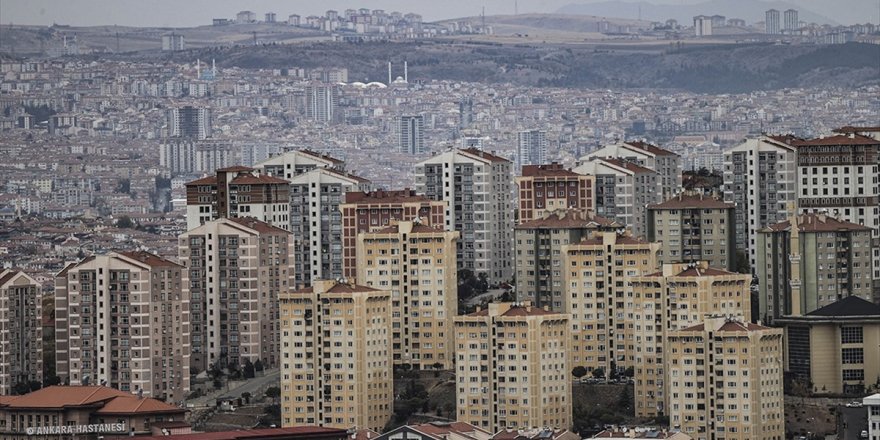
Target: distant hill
[(749, 10)]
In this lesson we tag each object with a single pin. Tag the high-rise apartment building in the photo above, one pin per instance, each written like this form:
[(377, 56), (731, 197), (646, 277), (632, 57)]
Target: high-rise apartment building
[(365, 212), (702, 26), (836, 348), (411, 134), (416, 263), (512, 368), (538, 253), (233, 271), (189, 122), (21, 336), (336, 369), (238, 192), (123, 320), (694, 227), (624, 190), (760, 179), (477, 189), (531, 148), (664, 162), (725, 380), (791, 20), (293, 163), (771, 22), (173, 42), (821, 262), (321, 102), (188, 156), (678, 296), (551, 187), (595, 276)]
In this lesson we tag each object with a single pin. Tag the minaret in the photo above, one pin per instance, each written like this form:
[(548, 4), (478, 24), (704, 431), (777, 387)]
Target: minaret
[(405, 73), (389, 73), (213, 68), (794, 257), (198, 68)]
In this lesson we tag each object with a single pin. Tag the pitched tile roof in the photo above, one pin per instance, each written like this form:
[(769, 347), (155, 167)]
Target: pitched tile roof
[(812, 222), (484, 155), (689, 201), (306, 432), (257, 225), (548, 170), (849, 306), (60, 396), (149, 259), (650, 148)]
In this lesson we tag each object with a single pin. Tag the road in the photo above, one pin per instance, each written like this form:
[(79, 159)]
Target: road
[(254, 386), (851, 422)]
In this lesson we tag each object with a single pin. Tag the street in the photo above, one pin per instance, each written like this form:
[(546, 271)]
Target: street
[(255, 386), (851, 422)]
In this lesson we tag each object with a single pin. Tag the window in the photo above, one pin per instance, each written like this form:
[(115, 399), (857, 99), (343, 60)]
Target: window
[(853, 374), (852, 356), (851, 335)]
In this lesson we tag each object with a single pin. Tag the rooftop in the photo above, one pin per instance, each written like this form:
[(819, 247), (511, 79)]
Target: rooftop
[(515, 310), (548, 170), (849, 306), (109, 400), (338, 288), (257, 225), (385, 197), (653, 149), (304, 432), (484, 155), (689, 201), (812, 222), (627, 165), (149, 259), (568, 218)]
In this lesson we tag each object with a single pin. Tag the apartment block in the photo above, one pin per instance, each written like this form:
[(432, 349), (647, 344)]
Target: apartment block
[(512, 367), (725, 380), (21, 332), (365, 212), (234, 269), (531, 148), (835, 348), (238, 192), (416, 263), (551, 187), (123, 320), (538, 257), (189, 122), (678, 296), (694, 227), (293, 163), (623, 191), (477, 188), (760, 180), (664, 162), (819, 263), (336, 369), (596, 273)]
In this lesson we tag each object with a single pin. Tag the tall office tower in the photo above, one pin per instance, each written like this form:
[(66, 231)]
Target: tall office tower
[(411, 134), (238, 192), (293, 163), (465, 112), (694, 227), (477, 189), (725, 380), (551, 187), (760, 179), (791, 20), (512, 368), (321, 102), (678, 296), (538, 260), (702, 26), (834, 349), (417, 264), (234, 269), (123, 320), (823, 261), (664, 162), (189, 122), (531, 148), (336, 369), (595, 274), (367, 212), (771, 22), (21, 305), (188, 156), (624, 190)]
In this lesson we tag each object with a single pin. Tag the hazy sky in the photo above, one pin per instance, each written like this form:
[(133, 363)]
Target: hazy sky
[(184, 13)]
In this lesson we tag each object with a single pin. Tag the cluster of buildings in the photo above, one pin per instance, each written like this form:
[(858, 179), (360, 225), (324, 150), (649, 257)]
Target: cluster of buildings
[(784, 25)]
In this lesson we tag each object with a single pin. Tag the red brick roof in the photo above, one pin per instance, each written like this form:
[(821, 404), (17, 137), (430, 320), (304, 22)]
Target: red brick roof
[(134, 405), (149, 259), (321, 156), (627, 165), (339, 288), (653, 149), (548, 170), (233, 169), (812, 222), (841, 139), (257, 225), (62, 396), (342, 174), (572, 219), (210, 180), (484, 155), (260, 179), (689, 201)]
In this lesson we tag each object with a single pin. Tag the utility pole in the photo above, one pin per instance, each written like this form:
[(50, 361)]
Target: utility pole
[(255, 37)]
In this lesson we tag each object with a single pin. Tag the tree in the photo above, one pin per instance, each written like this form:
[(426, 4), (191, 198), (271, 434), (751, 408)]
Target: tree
[(124, 222), (629, 372), (258, 365), (246, 396), (599, 373), (21, 388), (742, 262), (623, 402), (579, 371), (273, 393), (248, 370)]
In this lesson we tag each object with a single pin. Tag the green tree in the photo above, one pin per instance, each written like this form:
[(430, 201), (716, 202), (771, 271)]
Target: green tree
[(579, 371), (629, 372), (273, 393), (246, 396), (124, 222), (248, 370), (599, 373), (258, 366)]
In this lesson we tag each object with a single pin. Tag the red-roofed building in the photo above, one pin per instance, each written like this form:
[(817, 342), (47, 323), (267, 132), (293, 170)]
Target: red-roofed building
[(551, 187), (436, 431), (238, 192), (666, 163), (21, 305), (291, 433), (503, 347)]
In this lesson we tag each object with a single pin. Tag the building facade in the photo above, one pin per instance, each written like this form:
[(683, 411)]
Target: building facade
[(512, 370), (238, 192), (411, 134), (551, 187), (624, 190), (664, 162), (725, 381), (531, 148), (21, 332), (321, 102), (771, 22), (108, 313), (476, 187), (416, 263), (189, 122), (336, 369), (693, 228), (678, 296), (233, 272), (791, 20)]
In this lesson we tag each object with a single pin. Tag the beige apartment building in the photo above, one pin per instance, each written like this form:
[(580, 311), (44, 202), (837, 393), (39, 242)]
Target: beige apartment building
[(234, 270), (336, 368), (596, 273), (416, 263), (725, 380), (538, 252), (21, 330), (512, 370), (122, 320), (835, 348), (678, 296), (694, 227)]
